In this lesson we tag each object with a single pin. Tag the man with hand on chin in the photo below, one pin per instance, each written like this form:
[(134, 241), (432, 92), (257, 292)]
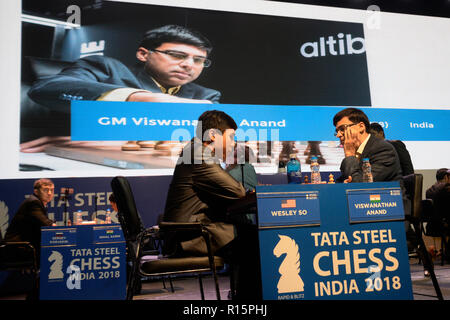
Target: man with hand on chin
[(352, 126)]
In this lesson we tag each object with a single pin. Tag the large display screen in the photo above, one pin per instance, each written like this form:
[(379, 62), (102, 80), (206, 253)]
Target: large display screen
[(267, 59)]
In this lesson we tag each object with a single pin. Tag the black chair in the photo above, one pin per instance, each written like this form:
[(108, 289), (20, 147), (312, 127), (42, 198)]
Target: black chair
[(413, 184), (136, 236), (19, 256), (37, 120)]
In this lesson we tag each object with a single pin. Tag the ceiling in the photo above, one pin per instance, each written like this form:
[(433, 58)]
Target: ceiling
[(56, 9)]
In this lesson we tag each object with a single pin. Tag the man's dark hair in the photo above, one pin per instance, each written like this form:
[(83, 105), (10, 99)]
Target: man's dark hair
[(377, 129), (214, 119), (354, 115), (42, 182), (441, 173), (112, 198), (172, 33)]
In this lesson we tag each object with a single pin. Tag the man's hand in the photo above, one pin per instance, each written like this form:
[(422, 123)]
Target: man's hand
[(351, 142), (146, 96)]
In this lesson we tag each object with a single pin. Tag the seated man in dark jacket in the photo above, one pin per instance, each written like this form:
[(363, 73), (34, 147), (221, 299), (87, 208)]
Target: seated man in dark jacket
[(352, 127), (32, 215), (442, 178), (201, 191), (402, 152)]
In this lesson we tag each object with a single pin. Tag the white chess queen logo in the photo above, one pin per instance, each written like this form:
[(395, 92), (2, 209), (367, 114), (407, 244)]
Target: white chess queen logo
[(56, 267), (290, 280)]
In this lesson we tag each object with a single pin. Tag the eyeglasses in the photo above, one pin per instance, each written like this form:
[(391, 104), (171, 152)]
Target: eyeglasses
[(342, 128), (181, 56)]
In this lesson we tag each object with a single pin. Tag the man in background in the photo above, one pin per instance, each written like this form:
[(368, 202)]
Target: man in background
[(442, 179), (403, 153), (32, 215)]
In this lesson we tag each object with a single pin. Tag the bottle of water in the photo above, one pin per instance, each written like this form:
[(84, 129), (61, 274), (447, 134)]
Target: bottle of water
[(108, 216), (293, 169), (315, 171), (78, 218), (367, 171)]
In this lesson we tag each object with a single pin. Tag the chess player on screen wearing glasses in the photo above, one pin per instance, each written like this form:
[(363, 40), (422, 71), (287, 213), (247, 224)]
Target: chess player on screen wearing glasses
[(169, 59)]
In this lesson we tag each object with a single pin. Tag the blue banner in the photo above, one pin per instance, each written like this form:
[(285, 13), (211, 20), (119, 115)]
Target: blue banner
[(83, 263), (337, 260), (101, 120)]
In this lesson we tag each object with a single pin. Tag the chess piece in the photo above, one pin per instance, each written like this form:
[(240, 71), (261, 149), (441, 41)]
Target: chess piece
[(131, 146), (331, 180), (306, 180), (146, 144)]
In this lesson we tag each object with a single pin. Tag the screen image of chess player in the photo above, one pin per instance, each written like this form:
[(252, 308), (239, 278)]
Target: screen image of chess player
[(169, 59), (201, 190), (32, 215), (403, 153)]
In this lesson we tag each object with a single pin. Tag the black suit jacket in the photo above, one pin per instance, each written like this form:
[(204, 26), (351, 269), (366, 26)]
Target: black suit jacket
[(88, 78), (27, 222), (404, 157), (201, 191), (383, 160)]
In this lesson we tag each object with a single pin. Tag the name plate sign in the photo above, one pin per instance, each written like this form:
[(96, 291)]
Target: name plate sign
[(367, 205), (59, 237), (288, 208), (107, 234)]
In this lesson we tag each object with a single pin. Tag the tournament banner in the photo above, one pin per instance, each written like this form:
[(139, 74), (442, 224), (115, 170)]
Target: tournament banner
[(101, 120), (83, 263), (337, 259)]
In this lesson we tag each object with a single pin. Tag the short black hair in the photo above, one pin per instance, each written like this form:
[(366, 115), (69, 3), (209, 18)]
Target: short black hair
[(173, 33), (441, 173), (354, 115), (376, 129), (214, 119), (112, 198)]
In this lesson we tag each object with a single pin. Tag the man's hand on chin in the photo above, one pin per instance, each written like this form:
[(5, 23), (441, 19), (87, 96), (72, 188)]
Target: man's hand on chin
[(351, 142)]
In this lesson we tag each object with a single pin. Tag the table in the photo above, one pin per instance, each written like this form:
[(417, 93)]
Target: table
[(333, 241), (84, 262)]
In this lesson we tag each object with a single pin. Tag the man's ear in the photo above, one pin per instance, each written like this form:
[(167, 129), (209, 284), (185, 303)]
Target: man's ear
[(212, 135), (141, 54), (362, 128)]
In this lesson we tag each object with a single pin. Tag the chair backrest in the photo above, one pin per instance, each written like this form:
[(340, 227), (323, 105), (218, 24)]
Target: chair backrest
[(129, 216), (413, 184)]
